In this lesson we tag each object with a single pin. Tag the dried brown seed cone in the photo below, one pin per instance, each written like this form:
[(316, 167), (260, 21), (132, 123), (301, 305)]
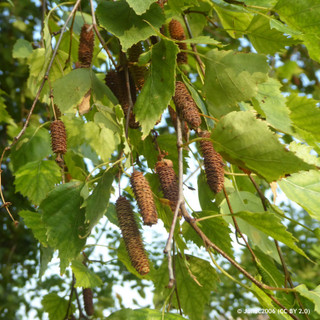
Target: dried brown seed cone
[(85, 52), (213, 163), (144, 197), (168, 181), (186, 107), (138, 72), (115, 80), (131, 236), (88, 301), (58, 137), (185, 128), (177, 33)]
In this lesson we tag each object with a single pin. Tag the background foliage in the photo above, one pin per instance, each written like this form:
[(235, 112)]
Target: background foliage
[(261, 92)]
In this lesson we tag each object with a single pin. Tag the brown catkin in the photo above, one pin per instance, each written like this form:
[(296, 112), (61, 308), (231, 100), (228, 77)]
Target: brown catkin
[(85, 52), (185, 128), (138, 72), (144, 197), (88, 301), (168, 181), (185, 105), (213, 163), (131, 236), (58, 137), (177, 33), (116, 81)]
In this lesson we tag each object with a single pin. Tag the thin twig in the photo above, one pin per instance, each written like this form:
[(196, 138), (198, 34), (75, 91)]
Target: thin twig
[(287, 277), (209, 243), (180, 202), (288, 312), (193, 46), (104, 45), (237, 226), (174, 272), (71, 294)]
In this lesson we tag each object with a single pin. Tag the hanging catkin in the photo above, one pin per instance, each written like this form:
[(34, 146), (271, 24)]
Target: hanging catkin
[(88, 301), (144, 197), (213, 163), (131, 236), (58, 137), (185, 105), (185, 128), (177, 33), (85, 52), (168, 181), (138, 72), (116, 81)]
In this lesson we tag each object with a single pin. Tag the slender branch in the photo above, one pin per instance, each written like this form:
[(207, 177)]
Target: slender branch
[(237, 226), (81, 315), (209, 243), (209, 117), (71, 294), (180, 203), (282, 307), (174, 272), (104, 45), (193, 46)]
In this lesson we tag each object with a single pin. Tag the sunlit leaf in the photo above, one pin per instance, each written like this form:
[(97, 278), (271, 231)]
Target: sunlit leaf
[(85, 278), (246, 141), (35, 179), (56, 306)]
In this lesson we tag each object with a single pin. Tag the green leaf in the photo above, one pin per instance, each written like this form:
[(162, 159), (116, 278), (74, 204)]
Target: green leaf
[(56, 306), (234, 19), (121, 20), (140, 6), (69, 90), (98, 201), (46, 255), (232, 77), (159, 86), (305, 115), (271, 225), (85, 278), (64, 221), (34, 145), (34, 222), (305, 153), (273, 104), (194, 283), (304, 189), (216, 229), (205, 194), (268, 304), (203, 40), (289, 69), (248, 142), (303, 16), (102, 140), (312, 295), (246, 201), (264, 39), (111, 214), (21, 49), (143, 314), (35, 179)]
